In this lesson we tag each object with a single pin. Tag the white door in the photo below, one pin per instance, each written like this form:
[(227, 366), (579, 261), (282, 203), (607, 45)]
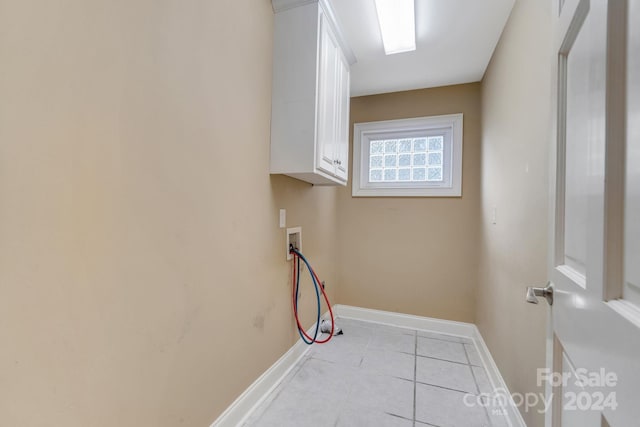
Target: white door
[(594, 267)]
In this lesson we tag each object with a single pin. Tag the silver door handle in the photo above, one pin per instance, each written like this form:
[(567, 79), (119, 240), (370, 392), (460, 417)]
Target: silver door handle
[(534, 293)]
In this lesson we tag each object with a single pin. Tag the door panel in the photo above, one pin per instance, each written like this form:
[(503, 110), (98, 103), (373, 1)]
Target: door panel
[(578, 149), (581, 142), (586, 331), (573, 398)]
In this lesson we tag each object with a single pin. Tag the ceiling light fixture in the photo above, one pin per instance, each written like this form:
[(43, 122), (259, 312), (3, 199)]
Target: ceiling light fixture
[(397, 24)]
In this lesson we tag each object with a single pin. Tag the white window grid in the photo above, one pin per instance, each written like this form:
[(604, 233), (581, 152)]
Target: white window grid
[(407, 159)]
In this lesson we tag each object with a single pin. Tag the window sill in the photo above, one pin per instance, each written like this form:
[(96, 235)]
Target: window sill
[(407, 192)]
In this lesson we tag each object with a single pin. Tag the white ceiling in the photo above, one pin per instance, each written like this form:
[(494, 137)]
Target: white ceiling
[(455, 40)]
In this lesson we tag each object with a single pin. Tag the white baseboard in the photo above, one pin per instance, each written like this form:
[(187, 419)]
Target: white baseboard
[(448, 327), (252, 397), (238, 412), (513, 415)]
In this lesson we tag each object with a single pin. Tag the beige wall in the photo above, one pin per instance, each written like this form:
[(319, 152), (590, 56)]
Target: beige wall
[(143, 279), (414, 255), (516, 93)]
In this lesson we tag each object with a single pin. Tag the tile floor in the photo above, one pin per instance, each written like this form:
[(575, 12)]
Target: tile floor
[(378, 375)]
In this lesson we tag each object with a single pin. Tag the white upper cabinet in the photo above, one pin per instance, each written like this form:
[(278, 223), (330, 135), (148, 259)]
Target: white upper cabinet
[(310, 100)]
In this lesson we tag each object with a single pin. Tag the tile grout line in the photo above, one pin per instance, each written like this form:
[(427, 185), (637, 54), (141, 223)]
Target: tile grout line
[(445, 360), (443, 339), (446, 388), (473, 375), (475, 380), (415, 376), (366, 348)]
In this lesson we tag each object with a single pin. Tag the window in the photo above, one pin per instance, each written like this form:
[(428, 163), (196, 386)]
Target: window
[(419, 157)]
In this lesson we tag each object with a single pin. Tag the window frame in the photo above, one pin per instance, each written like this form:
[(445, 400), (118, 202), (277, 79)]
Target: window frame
[(364, 133)]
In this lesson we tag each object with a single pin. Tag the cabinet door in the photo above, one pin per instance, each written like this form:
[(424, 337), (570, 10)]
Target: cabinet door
[(327, 101), (342, 137)]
